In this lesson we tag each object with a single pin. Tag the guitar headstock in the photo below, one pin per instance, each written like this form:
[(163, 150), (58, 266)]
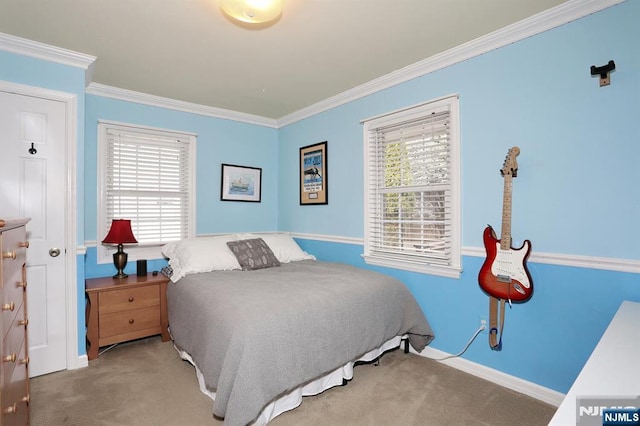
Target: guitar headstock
[(510, 165)]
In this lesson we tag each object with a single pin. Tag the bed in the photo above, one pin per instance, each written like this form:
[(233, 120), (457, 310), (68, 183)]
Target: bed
[(265, 328)]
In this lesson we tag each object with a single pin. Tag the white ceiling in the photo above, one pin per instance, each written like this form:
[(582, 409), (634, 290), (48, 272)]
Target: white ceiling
[(187, 50)]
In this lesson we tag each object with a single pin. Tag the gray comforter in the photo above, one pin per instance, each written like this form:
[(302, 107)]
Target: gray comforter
[(258, 334)]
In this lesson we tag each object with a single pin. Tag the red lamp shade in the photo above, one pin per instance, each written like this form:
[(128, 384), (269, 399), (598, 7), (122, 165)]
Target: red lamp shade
[(120, 233)]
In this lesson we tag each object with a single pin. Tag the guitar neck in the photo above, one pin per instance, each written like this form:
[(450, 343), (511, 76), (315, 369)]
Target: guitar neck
[(505, 234)]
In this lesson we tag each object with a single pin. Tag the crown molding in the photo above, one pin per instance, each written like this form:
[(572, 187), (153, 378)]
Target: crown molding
[(544, 21), (158, 101), (35, 49), (541, 22)]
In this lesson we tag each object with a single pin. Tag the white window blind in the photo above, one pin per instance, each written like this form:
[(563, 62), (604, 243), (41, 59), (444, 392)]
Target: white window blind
[(411, 211), (147, 177)]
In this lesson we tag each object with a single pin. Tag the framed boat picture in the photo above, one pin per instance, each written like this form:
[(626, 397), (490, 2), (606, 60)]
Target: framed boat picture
[(313, 174), (240, 183)]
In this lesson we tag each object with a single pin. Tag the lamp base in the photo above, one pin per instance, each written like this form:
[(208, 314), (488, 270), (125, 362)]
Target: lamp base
[(120, 261)]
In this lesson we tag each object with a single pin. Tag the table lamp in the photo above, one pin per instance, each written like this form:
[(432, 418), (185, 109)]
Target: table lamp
[(119, 234)]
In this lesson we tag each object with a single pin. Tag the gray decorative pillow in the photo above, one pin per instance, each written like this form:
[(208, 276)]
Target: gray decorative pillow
[(253, 254)]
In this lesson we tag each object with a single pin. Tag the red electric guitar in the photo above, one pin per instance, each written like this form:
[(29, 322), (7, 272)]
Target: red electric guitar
[(504, 274)]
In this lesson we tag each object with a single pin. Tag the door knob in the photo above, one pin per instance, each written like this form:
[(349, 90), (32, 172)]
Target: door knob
[(54, 252)]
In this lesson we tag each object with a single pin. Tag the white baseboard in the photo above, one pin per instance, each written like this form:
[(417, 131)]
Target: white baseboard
[(498, 377), (83, 361)]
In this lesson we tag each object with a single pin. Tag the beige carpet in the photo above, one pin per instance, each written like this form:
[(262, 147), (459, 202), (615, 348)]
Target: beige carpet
[(146, 383)]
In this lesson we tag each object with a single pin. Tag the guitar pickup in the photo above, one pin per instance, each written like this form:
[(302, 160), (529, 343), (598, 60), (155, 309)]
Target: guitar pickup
[(503, 278)]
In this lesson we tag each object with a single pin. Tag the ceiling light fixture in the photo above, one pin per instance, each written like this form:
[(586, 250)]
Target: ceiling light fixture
[(252, 11)]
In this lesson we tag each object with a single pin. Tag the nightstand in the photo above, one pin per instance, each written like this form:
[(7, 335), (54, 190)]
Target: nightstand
[(124, 309)]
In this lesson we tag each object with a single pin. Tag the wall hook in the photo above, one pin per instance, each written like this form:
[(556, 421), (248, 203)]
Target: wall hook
[(603, 71), (33, 150)]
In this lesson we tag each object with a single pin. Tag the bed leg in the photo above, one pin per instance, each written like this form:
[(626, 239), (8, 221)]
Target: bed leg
[(406, 346)]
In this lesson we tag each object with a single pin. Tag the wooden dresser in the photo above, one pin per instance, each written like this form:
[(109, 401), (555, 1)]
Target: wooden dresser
[(14, 393), (125, 309)]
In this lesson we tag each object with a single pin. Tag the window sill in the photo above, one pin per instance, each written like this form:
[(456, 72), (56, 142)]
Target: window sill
[(105, 255), (443, 271)]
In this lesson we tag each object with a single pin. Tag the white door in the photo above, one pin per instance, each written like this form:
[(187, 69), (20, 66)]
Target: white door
[(32, 184)]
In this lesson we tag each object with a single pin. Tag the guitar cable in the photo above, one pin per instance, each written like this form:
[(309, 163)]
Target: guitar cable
[(478, 331)]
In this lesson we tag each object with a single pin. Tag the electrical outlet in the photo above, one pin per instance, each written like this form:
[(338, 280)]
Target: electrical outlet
[(483, 321)]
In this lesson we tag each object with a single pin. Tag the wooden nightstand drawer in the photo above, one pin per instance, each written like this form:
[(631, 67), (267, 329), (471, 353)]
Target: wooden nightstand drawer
[(129, 321), (128, 299)]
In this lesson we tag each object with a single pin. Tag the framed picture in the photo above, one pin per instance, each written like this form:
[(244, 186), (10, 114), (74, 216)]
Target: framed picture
[(240, 183), (313, 174)]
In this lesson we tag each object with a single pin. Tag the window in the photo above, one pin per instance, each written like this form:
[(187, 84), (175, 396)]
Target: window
[(412, 189), (146, 175)]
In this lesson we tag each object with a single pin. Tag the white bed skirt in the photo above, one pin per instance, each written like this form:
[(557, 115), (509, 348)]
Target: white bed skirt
[(292, 399)]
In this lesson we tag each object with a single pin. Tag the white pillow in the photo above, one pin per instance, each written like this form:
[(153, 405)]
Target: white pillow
[(200, 254), (282, 245)]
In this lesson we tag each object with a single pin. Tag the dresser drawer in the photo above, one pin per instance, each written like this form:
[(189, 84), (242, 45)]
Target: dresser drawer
[(11, 313), (13, 283), (128, 299), (15, 397), (9, 308), (14, 245), (14, 254), (11, 273), (13, 345), (126, 322)]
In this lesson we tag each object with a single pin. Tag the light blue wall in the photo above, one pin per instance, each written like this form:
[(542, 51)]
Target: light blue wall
[(579, 142), (218, 141), (575, 194)]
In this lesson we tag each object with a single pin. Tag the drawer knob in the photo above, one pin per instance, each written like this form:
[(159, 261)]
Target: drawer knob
[(22, 284), (24, 322), (11, 409), (25, 398), (9, 255), (131, 299), (24, 244), (8, 306), (25, 360), (131, 321), (10, 358)]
